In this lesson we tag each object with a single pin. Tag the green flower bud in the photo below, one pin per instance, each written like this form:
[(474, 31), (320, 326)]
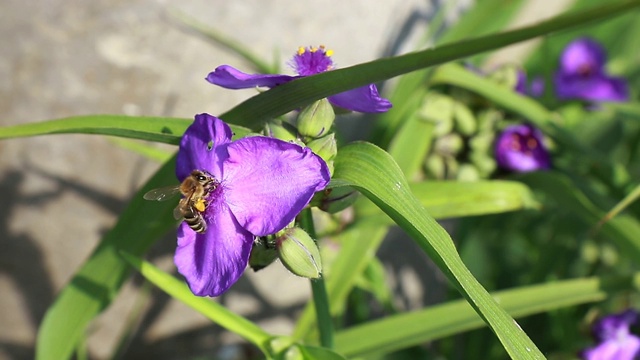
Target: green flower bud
[(263, 253), (316, 119), (468, 172), (438, 108), (506, 75), (299, 253), (333, 200), (280, 130), (465, 122), (449, 145), (325, 147), (434, 167)]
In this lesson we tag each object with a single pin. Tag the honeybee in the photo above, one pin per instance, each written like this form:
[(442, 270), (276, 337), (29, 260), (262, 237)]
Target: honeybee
[(194, 189)]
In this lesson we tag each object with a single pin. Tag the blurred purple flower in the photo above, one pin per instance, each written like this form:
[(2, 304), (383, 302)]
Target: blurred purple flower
[(581, 74), (307, 61), (519, 148), (534, 88), (615, 340), (263, 183)]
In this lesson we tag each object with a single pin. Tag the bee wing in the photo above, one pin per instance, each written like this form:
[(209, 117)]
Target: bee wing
[(177, 212), (162, 194)]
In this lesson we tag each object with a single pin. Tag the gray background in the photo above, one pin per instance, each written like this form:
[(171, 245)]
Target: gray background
[(61, 193)]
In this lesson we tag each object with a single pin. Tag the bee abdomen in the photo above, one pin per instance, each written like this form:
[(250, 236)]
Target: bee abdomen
[(196, 222)]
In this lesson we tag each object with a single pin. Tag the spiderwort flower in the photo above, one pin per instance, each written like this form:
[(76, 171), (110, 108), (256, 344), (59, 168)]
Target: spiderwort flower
[(615, 340), (533, 88), (520, 148), (581, 74), (263, 184), (307, 61)]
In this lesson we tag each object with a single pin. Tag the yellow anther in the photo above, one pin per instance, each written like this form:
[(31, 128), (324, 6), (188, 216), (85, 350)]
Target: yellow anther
[(301, 50), (313, 49), (329, 53)]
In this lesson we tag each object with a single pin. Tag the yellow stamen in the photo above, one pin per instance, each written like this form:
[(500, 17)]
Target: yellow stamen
[(313, 49), (329, 53), (301, 50)]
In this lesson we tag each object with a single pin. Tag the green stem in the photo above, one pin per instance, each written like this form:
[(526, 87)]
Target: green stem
[(319, 291)]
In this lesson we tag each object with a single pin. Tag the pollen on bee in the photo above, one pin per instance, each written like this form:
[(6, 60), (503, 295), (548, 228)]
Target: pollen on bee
[(200, 205)]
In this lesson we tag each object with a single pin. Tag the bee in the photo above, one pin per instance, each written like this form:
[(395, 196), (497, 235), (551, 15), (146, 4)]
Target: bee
[(194, 189)]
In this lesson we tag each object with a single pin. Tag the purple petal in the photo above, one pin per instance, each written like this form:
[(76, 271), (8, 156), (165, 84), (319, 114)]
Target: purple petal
[(520, 148), (363, 99), (521, 83), (582, 55), (536, 88), (214, 260), (592, 88), (232, 78), (269, 181), (626, 348), (201, 146)]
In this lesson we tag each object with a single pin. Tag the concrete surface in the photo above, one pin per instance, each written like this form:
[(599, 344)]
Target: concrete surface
[(60, 193)]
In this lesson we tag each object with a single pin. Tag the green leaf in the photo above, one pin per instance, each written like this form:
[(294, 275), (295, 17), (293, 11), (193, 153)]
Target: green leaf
[(623, 229), (403, 330), (318, 353), (303, 91), (205, 306), (374, 173), (447, 199), (158, 129)]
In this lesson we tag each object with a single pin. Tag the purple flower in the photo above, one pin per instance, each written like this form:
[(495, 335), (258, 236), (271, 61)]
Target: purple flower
[(534, 88), (520, 148), (582, 75), (615, 340), (307, 61), (262, 184)]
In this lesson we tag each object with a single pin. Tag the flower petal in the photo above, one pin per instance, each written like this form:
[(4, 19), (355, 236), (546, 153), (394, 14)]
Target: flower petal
[(268, 182), (202, 146), (231, 78), (627, 348), (363, 99), (520, 148), (593, 88), (214, 260), (583, 54)]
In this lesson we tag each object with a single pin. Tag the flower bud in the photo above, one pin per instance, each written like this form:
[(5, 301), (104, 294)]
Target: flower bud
[(299, 253), (449, 145), (325, 147), (333, 200), (280, 130), (465, 122), (316, 119), (263, 253), (438, 109)]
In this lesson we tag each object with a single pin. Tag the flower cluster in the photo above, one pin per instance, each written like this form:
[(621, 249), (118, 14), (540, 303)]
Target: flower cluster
[(581, 75), (307, 61), (615, 340)]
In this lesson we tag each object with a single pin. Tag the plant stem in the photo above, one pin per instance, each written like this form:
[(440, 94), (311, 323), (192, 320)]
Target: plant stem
[(319, 291)]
